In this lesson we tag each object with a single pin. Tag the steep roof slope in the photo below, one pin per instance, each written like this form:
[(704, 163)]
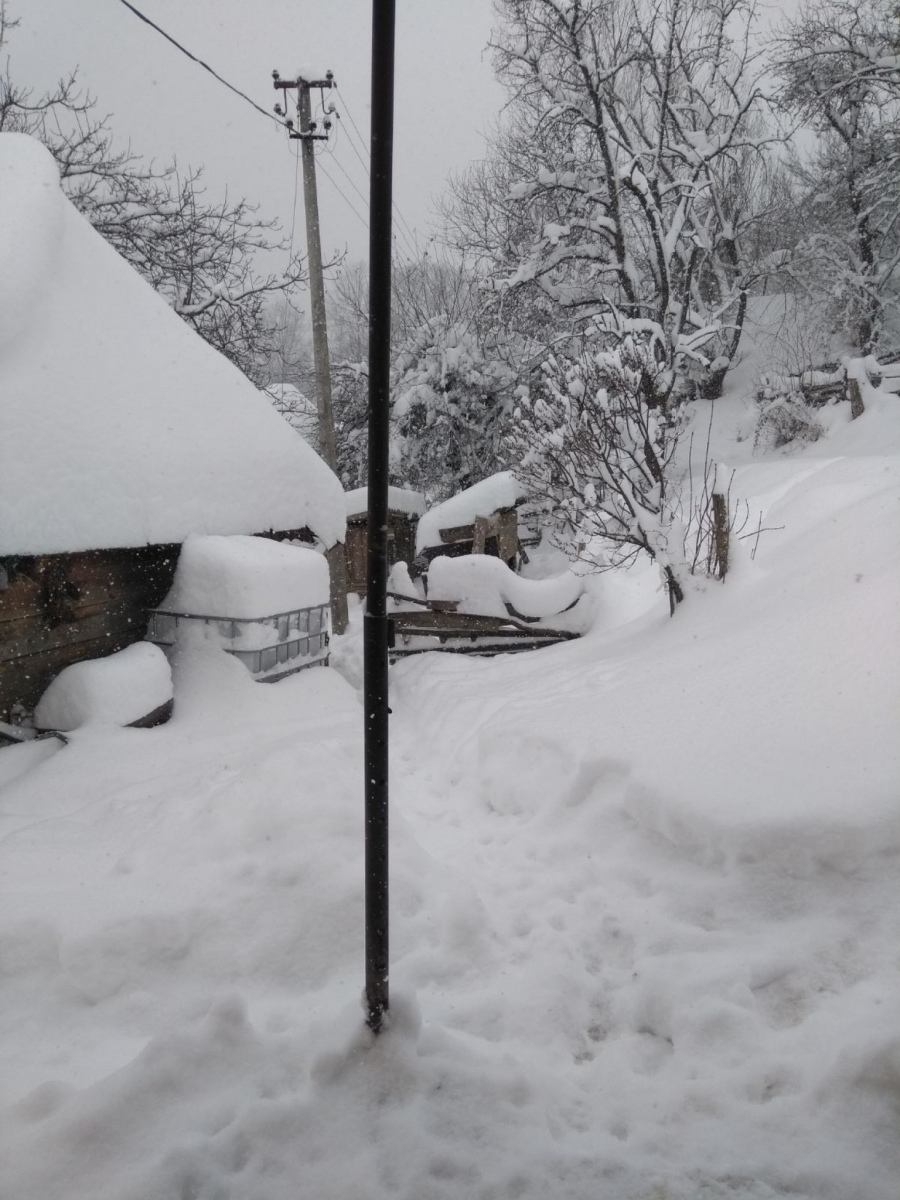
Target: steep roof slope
[(120, 426)]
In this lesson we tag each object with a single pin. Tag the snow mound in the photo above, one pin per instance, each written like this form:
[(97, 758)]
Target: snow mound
[(246, 577), (499, 491), (144, 433), (400, 500), (485, 585), (116, 690)]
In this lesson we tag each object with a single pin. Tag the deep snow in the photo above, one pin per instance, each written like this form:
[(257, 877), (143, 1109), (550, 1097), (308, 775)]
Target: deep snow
[(644, 890)]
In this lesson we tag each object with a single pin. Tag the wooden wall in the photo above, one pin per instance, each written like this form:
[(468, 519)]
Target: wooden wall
[(401, 546), (58, 609)]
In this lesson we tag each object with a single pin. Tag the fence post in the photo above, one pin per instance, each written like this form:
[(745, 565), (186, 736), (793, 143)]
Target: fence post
[(721, 534), (857, 408)]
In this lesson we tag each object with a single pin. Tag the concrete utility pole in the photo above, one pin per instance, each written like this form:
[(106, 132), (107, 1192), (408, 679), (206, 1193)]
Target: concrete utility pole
[(307, 135)]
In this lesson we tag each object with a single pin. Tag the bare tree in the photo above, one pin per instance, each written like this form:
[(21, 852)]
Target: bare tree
[(656, 108), (840, 70)]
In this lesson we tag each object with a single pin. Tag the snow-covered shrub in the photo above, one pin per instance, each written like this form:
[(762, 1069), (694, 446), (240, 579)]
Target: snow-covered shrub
[(452, 404), (785, 419), (594, 447)]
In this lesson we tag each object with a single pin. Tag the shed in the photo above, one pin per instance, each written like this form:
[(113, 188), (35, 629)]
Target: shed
[(123, 433), (483, 519), (404, 509)]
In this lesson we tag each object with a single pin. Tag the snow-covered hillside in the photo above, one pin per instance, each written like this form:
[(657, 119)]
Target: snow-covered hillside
[(644, 892)]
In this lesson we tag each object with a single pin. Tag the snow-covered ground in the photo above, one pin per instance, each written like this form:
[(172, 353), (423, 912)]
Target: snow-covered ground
[(645, 904)]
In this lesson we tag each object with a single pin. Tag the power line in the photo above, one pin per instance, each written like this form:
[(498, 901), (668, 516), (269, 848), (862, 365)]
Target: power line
[(353, 123), (340, 166), (269, 116), (394, 204), (294, 208), (331, 180), (409, 243)]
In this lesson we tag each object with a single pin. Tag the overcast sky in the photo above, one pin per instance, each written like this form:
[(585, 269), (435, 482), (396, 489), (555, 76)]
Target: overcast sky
[(166, 105)]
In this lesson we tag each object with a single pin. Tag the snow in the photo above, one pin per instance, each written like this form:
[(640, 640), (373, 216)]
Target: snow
[(401, 500), (643, 884), (143, 432), (246, 577), (480, 500), (484, 584), (298, 410), (116, 690)]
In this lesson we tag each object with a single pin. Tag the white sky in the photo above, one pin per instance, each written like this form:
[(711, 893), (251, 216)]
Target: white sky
[(166, 105)]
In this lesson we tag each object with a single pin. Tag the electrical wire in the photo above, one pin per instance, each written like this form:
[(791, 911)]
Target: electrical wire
[(340, 166), (353, 123), (333, 183), (396, 207), (409, 245), (294, 208), (270, 116)]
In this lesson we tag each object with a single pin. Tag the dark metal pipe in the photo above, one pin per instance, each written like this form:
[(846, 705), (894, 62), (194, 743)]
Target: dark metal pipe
[(375, 631)]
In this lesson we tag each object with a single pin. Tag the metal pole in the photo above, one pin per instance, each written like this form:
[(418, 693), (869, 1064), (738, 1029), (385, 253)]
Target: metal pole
[(375, 633)]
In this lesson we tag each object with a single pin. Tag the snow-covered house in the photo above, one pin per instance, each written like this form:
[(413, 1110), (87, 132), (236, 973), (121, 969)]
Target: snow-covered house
[(404, 509), (122, 433), (483, 519)]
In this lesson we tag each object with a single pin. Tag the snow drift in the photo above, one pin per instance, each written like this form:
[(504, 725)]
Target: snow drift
[(485, 585), (115, 690)]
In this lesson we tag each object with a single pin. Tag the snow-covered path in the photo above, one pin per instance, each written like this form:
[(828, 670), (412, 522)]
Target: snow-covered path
[(645, 913)]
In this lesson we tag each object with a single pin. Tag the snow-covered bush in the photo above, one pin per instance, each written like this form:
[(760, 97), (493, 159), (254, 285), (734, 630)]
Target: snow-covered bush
[(785, 419), (594, 447), (452, 404)]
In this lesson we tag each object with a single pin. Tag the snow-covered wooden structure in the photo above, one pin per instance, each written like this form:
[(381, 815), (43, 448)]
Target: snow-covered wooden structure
[(123, 433), (483, 519), (405, 507)]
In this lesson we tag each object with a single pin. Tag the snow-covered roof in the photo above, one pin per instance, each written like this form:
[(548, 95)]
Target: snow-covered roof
[(298, 410), (121, 427), (400, 500), (480, 500)]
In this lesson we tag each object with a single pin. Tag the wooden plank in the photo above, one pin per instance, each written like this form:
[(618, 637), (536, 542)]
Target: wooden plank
[(475, 634), (98, 622), (483, 528), (465, 623), (24, 680), (457, 533), (508, 534), (481, 649), (141, 575), (21, 598), (356, 547)]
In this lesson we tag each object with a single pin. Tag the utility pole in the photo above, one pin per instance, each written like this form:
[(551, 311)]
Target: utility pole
[(377, 622), (307, 135)]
